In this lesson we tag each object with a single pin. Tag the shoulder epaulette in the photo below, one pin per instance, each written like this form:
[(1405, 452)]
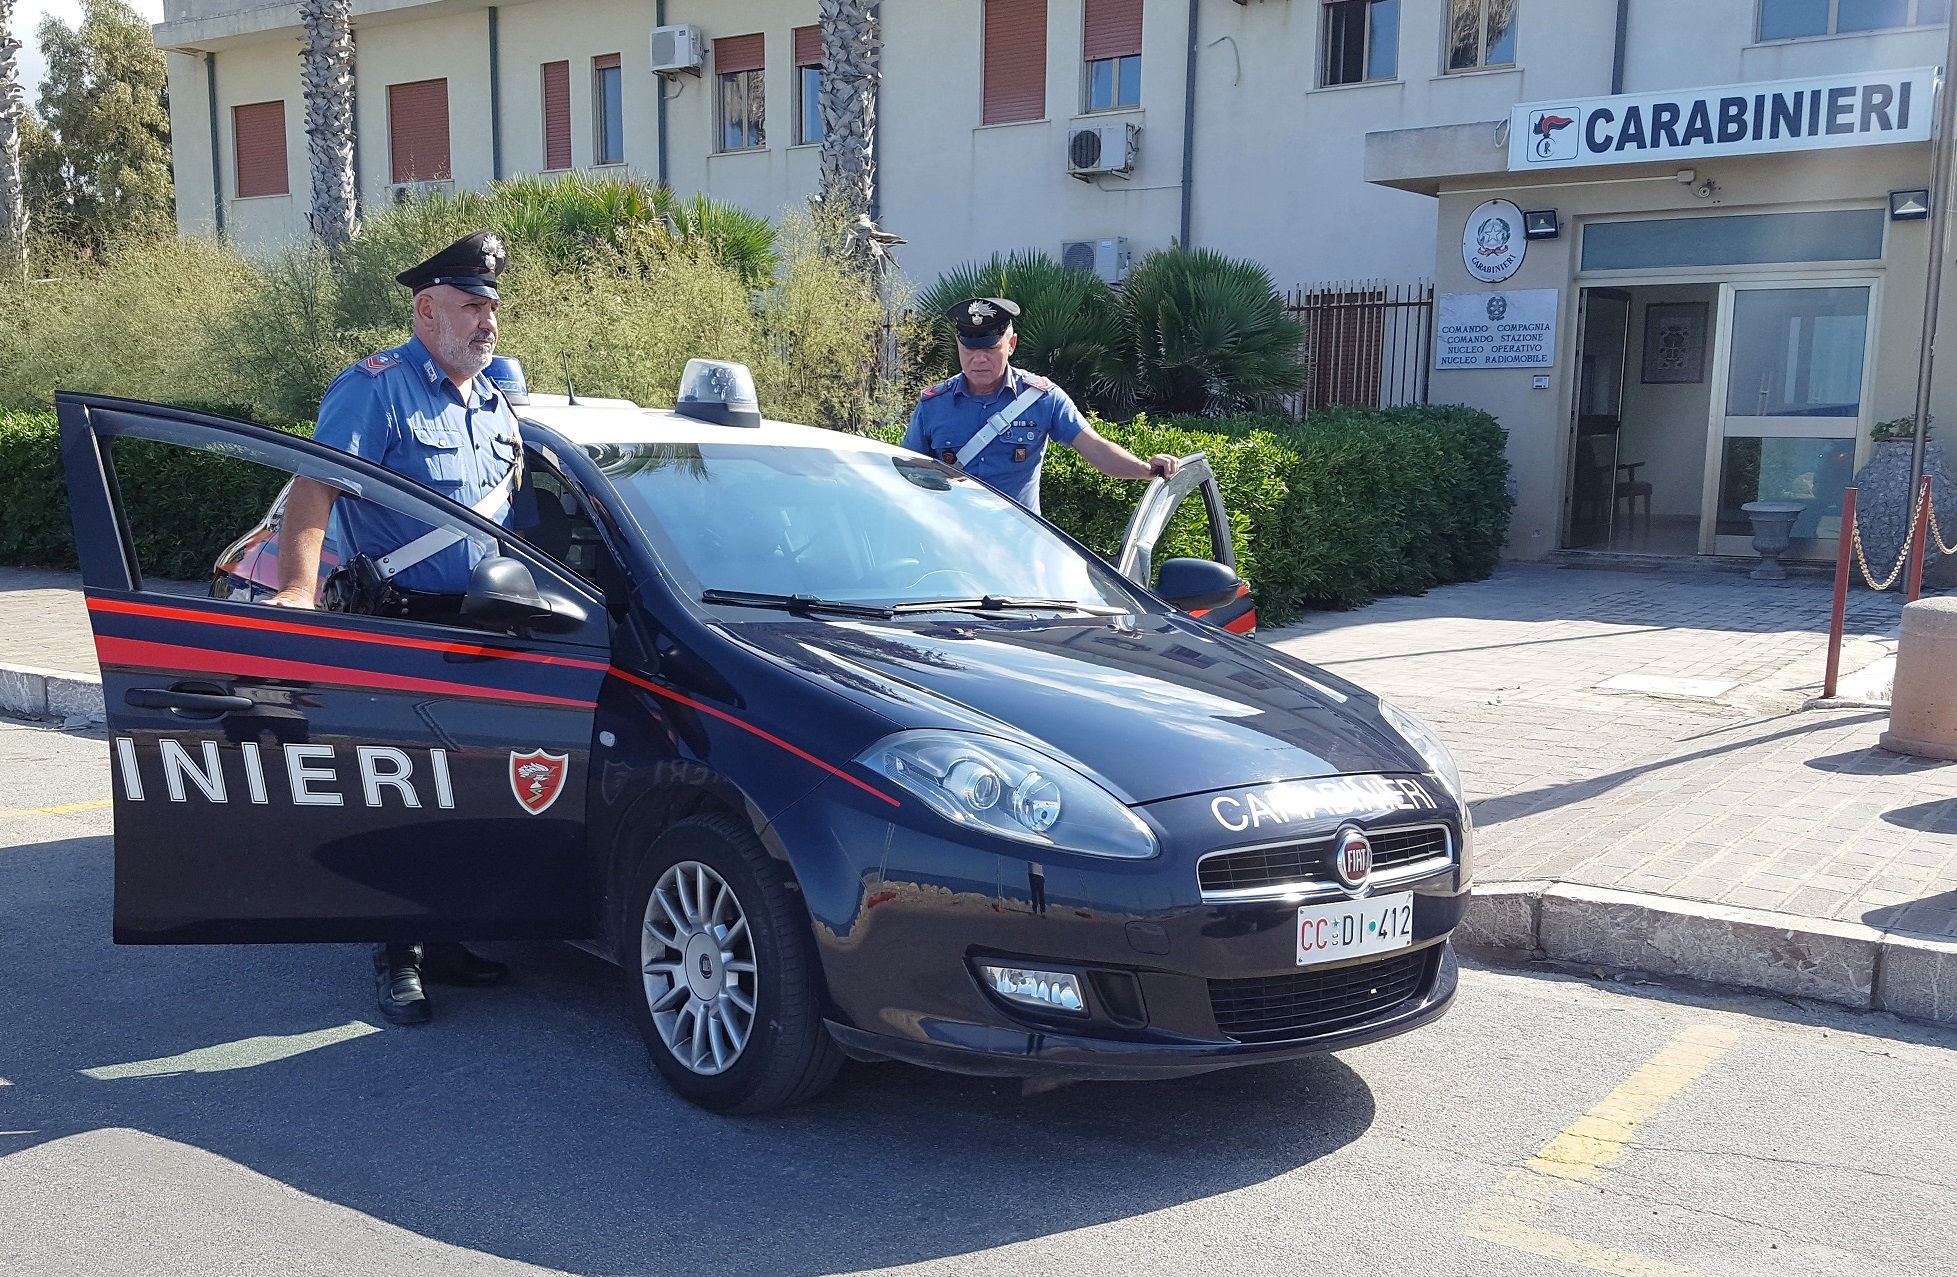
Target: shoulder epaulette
[(375, 365), (932, 392), (1037, 382)]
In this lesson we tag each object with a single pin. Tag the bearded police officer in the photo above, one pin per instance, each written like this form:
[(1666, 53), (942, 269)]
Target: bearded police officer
[(993, 420), (426, 410)]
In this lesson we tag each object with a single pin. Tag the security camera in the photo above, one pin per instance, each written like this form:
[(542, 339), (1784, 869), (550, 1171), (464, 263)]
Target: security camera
[(1706, 189)]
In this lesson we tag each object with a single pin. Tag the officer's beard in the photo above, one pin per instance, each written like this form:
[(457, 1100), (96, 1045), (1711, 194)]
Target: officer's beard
[(457, 349)]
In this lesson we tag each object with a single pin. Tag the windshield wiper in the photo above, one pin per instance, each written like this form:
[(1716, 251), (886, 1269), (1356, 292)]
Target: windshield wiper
[(1003, 603), (798, 604)]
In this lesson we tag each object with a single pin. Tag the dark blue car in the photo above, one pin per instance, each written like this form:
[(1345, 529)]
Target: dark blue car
[(835, 751)]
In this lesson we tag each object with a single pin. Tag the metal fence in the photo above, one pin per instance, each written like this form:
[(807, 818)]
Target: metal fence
[(1366, 342)]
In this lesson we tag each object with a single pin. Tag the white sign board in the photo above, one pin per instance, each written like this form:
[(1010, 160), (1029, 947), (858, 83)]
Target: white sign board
[(1492, 242), (1851, 109), (1496, 330)]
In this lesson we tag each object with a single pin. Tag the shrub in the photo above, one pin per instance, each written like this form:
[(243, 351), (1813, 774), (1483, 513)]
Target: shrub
[(183, 507), (1205, 334), (1067, 330)]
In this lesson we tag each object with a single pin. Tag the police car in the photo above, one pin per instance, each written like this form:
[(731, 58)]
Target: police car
[(831, 748)]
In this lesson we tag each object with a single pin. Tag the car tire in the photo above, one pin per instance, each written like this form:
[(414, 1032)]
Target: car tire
[(721, 971)]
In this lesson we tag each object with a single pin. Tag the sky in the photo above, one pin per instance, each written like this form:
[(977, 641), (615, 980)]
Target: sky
[(27, 19)]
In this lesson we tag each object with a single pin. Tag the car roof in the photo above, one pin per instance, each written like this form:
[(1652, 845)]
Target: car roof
[(592, 421)]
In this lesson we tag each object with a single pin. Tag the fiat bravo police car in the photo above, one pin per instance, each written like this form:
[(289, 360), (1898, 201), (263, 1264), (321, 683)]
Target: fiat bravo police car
[(832, 749)]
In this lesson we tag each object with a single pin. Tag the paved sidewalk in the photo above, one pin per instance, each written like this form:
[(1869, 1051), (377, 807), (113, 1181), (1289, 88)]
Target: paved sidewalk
[(1706, 781)]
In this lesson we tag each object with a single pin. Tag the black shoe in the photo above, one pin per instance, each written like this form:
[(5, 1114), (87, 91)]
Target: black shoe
[(397, 984), (447, 962)]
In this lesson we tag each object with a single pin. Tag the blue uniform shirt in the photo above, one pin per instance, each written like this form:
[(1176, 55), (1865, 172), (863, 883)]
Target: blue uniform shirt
[(398, 409), (948, 415)]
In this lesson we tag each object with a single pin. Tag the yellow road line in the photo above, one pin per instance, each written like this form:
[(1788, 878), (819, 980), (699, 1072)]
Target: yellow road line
[(62, 810), (1582, 1152)]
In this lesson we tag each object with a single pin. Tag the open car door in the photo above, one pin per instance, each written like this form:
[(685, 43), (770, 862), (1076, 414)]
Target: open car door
[(291, 775), (1146, 527)]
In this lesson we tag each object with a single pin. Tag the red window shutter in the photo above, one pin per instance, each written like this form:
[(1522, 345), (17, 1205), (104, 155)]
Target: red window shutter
[(733, 53), (417, 131), (258, 136), (557, 115), (604, 62), (1015, 61), (1113, 30), (808, 46)]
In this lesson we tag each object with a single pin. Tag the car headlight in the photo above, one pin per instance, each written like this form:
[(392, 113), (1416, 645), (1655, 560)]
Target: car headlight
[(984, 783), (1427, 745)]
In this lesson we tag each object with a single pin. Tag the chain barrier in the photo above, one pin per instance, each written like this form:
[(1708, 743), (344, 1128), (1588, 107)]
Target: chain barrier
[(1936, 534), (1902, 556)]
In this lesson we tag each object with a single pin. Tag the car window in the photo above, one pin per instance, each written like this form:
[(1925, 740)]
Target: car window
[(553, 519), (844, 524)]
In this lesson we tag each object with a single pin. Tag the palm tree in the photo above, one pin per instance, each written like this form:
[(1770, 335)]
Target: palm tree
[(13, 203), (326, 76), (852, 68)]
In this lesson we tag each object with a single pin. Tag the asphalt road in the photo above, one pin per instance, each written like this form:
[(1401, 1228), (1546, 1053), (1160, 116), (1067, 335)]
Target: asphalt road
[(244, 1110)]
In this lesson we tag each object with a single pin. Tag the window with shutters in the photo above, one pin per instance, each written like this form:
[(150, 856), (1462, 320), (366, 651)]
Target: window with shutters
[(1362, 41), (608, 110), (557, 115), (258, 137), (1480, 33), (808, 85), (1111, 45), (417, 132), (1015, 61), (737, 64)]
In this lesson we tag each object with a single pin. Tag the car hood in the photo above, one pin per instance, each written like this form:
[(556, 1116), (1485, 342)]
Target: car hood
[(1157, 706)]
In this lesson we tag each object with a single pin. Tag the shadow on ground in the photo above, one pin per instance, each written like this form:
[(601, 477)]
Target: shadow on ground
[(1938, 816), (525, 1122)]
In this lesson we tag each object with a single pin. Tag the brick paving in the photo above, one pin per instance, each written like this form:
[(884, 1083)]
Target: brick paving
[(1745, 798)]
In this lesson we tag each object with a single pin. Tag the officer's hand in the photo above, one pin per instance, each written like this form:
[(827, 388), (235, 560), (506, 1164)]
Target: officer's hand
[(1162, 464), (292, 598)]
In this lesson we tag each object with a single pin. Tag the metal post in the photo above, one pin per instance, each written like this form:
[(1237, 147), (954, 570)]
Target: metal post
[(217, 158), (1939, 228), (495, 100), (1919, 532), (1838, 618), (1189, 131)]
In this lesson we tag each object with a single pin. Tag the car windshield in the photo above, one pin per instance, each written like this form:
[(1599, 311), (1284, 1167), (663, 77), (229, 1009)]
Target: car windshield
[(844, 525)]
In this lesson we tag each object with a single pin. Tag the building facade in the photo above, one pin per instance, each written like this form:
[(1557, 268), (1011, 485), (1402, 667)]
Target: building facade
[(1675, 348)]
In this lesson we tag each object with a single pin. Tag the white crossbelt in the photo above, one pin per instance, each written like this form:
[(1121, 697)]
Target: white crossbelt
[(997, 425), (491, 507)]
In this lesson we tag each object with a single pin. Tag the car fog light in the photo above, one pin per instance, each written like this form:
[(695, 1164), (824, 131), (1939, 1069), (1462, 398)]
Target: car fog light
[(1047, 990), (1036, 803)]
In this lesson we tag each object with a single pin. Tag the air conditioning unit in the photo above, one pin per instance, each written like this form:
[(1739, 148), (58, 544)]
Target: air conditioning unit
[(677, 48), (1094, 149), (1108, 258), (402, 192)]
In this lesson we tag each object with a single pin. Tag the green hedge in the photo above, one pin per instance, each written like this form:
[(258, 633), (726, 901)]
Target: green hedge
[(184, 507), (1356, 503)]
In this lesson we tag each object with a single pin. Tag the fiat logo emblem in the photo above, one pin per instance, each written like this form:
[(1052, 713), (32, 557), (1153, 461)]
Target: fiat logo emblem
[(1352, 858)]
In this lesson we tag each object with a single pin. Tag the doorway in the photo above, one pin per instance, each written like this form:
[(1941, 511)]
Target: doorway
[(1637, 475)]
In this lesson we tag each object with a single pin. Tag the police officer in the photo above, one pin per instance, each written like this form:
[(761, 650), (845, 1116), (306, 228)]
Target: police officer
[(993, 420), (426, 410)]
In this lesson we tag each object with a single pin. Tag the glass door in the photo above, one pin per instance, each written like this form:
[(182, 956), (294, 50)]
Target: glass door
[(1603, 328), (1790, 412)]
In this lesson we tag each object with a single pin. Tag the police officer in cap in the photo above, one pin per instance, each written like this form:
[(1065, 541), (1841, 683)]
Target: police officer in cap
[(426, 410), (993, 420)]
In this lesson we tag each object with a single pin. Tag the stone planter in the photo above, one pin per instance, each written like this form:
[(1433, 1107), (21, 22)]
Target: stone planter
[(1883, 504), (1773, 532)]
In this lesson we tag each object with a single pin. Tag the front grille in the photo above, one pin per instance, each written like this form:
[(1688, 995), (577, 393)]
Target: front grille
[(1272, 1008), (1310, 861)]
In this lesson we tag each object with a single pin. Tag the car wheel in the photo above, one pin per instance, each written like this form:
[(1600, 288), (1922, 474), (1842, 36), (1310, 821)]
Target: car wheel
[(723, 978)]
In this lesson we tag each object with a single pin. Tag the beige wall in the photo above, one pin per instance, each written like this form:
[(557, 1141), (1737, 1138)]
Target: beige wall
[(1665, 425)]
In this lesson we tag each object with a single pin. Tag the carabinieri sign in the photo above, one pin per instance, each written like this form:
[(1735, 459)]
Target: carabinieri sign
[(1740, 119)]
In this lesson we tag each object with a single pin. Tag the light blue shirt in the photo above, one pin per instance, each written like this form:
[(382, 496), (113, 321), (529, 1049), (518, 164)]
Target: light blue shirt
[(948, 415), (398, 409)]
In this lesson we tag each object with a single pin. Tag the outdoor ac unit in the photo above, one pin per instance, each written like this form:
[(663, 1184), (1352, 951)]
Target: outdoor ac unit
[(677, 48), (1094, 149), (402, 192), (1108, 258)]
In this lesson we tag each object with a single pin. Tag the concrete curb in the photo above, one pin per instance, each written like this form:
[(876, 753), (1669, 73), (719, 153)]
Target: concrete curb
[(1840, 962), (27, 692)]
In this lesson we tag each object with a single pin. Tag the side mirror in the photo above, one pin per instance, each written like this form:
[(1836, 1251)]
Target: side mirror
[(502, 593), (1195, 584)]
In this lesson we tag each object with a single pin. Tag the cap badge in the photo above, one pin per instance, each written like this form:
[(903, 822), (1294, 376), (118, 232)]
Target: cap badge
[(492, 248), (980, 310)]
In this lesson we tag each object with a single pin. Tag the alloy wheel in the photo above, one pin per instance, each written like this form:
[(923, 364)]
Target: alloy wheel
[(697, 956)]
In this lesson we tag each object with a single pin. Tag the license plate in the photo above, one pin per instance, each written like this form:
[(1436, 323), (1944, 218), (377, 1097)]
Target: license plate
[(1354, 928)]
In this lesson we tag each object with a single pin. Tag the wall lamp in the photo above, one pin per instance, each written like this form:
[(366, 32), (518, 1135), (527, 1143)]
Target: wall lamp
[(1909, 206), (1540, 224)]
